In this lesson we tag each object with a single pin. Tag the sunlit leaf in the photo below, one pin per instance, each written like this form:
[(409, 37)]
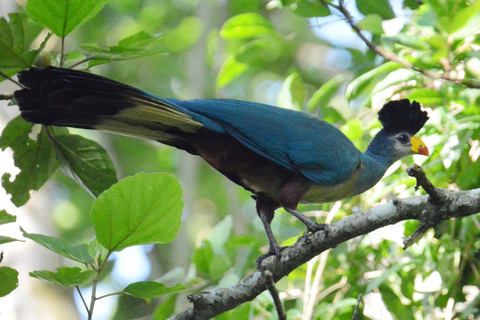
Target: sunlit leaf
[(453, 15), (364, 84), (151, 289), (353, 129), (63, 16), (65, 276), (372, 23), (9, 280), (292, 93), (322, 96), (230, 70), (141, 209), (246, 26)]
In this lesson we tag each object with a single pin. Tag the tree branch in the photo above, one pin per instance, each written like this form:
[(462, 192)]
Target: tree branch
[(209, 304), (388, 55)]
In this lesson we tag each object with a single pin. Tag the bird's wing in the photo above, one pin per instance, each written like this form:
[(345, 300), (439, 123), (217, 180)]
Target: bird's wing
[(294, 140)]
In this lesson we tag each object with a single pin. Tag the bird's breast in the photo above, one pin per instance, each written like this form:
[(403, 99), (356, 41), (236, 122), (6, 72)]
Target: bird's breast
[(324, 194)]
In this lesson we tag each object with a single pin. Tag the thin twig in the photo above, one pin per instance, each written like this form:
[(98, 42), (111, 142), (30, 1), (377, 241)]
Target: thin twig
[(10, 79), (79, 62), (81, 297), (276, 298), (388, 55), (110, 294), (355, 311)]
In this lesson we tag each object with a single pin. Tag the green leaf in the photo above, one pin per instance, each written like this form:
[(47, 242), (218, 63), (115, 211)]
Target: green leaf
[(98, 56), (151, 289), (65, 276), (63, 16), (141, 209), (86, 162), (203, 256), (309, 8), (166, 308), (4, 239), (35, 159), (454, 15), (292, 93), (187, 33), (6, 218), (246, 25), (77, 253), (220, 234), (8, 280), (412, 41), (230, 70), (353, 129), (426, 96), (364, 85), (135, 46), (412, 4), (266, 48), (372, 23), (241, 313), (321, 98), (380, 7), (16, 37), (97, 252)]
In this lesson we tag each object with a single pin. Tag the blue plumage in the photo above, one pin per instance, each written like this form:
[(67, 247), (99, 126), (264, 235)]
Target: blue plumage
[(283, 157), (272, 132)]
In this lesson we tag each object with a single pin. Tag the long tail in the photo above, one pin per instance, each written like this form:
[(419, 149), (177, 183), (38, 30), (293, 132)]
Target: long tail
[(64, 97)]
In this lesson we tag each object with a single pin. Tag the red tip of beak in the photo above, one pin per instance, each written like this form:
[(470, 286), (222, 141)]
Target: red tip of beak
[(423, 151)]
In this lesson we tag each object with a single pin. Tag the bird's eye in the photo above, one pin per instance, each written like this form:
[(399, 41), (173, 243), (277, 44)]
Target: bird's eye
[(403, 138)]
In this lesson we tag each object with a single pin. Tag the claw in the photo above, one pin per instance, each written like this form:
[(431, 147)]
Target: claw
[(274, 250), (314, 227), (318, 227)]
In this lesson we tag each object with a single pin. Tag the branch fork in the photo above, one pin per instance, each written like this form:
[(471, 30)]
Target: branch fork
[(436, 197)]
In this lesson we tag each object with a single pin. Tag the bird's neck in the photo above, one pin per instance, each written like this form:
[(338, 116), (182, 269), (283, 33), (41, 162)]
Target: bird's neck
[(373, 169), (375, 162)]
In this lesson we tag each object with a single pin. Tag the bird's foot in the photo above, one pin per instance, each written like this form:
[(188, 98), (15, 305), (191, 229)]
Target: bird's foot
[(274, 250), (314, 227)]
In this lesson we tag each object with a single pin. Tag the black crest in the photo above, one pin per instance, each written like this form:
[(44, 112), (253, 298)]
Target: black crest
[(402, 116)]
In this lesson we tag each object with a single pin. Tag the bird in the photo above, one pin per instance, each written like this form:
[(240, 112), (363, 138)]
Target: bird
[(283, 157)]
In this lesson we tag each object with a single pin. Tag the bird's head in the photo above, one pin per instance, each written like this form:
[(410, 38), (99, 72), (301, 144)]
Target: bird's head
[(401, 120)]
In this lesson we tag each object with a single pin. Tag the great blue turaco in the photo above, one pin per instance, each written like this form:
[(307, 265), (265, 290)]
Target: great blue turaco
[(283, 157)]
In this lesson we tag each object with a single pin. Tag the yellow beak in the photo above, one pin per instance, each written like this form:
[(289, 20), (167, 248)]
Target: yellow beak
[(418, 146)]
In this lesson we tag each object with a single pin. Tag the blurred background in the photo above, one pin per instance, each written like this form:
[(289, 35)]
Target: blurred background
[(304, 58)]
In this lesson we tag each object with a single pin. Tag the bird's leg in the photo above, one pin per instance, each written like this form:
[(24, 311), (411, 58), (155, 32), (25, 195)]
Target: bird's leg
[(312, 226), (289, 197), (266, 210)]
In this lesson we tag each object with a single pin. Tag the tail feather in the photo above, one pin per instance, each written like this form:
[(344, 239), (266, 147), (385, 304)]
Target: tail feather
[(62, 97)]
